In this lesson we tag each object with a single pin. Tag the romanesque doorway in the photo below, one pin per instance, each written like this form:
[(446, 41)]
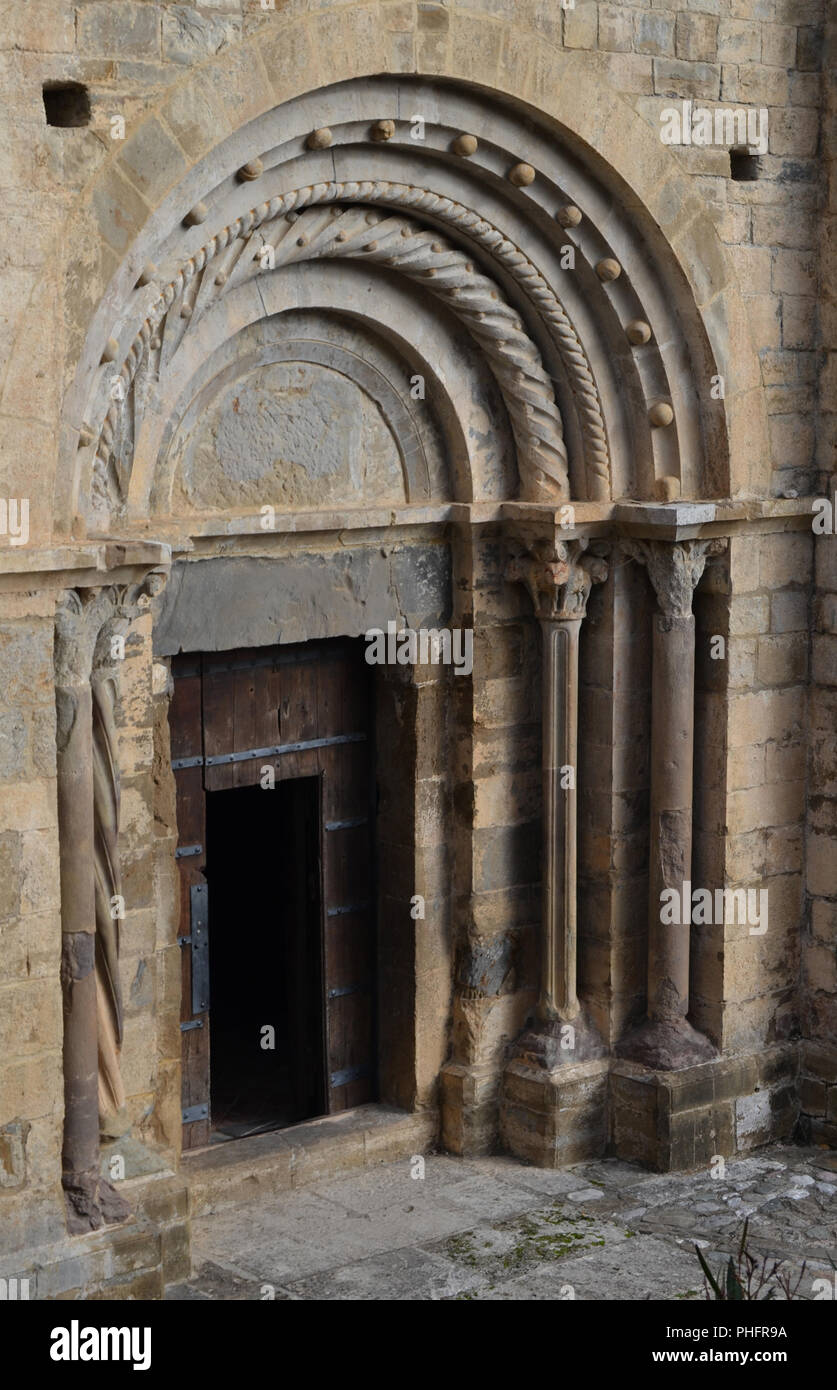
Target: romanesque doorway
[(272, 752)]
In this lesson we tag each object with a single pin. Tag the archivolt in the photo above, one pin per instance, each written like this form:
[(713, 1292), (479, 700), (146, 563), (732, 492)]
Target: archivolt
[(419, 253)]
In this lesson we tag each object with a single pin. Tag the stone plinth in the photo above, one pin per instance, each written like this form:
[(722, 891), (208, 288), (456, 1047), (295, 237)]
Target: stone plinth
[(666, 1120), (133, 1260), (469, 1108), (558, 1117), (685, 1119), (818, 1093)]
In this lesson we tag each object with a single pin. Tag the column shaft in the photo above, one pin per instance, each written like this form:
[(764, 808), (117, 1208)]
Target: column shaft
[(667, 1040), (80, 1156), (559, 998), (672, 758)]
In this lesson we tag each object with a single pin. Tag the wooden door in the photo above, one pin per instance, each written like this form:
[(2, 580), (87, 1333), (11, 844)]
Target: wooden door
[(186, 723), (305, 712), (302, 887), (349, 954)]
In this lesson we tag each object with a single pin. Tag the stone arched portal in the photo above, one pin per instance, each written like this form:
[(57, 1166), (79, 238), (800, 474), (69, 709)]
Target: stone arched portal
[(605, 303), (563, 361)]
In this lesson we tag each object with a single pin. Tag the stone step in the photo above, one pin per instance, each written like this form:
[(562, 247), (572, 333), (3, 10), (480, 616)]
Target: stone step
[(225, 1174)]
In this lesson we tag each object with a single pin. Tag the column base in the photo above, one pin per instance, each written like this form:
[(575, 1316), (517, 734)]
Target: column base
[(133, 1260), (692, 1118), (91, 1202), (666, 1046), (668, 1121), (818, 1093), (559, 1043), (469, 1108), (554, 1118)]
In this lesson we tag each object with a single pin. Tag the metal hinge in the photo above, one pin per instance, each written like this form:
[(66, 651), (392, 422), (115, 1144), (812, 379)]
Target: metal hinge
[(186, 851), (199, 941), (278, 749), (193, 1023), (195, 1112)]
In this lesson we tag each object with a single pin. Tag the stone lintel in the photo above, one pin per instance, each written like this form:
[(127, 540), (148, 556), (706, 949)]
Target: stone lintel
[(669, 521), (564, 518)]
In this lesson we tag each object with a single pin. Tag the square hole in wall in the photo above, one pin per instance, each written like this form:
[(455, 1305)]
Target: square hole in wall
[(66, 104), (744, 165)]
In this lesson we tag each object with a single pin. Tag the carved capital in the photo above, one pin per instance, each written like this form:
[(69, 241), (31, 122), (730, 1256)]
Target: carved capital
[(127, 602), (79, 619), (675, 569), (87, 620), (559, 577)]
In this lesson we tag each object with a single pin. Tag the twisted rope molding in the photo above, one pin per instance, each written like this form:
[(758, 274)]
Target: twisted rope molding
[(421, 254), (484, 233)]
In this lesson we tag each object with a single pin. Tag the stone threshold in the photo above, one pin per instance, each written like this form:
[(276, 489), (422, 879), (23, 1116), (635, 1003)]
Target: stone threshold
[(225, 1174)]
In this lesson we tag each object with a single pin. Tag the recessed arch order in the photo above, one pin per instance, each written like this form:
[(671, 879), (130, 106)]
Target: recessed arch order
[(542, 266)]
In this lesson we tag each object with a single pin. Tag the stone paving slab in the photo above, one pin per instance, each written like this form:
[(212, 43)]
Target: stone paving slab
[(610, 1273), (495, 1229)]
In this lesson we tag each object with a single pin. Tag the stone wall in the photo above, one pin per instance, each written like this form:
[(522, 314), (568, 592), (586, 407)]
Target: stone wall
[(149, 954), (31, 1028), (76, 197), (764, 705), (819, 1097), (762, 53), (497, 828)]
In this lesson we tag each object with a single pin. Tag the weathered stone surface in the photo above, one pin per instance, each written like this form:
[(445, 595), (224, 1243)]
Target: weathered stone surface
[(367, 589), (119, 28), (190, 36), (494, 1229), (293, 435), (208, 90)]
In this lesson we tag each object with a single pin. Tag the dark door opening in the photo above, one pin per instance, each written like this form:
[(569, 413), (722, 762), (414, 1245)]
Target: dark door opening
[(265, 957), (273, 756)]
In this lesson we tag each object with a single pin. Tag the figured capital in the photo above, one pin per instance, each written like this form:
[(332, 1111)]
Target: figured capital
[(87, 620), (675, 569), (559, 577), (79, 619), (122, 603)]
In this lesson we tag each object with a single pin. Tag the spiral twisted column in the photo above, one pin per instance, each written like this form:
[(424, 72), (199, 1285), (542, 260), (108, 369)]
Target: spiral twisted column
[(86, 623)]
